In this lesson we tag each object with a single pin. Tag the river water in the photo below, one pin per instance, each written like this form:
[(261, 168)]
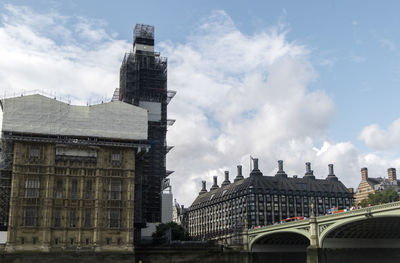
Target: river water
[(326, 256)]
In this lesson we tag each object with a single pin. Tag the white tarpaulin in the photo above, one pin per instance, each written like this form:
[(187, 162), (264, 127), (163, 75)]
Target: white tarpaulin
[(38, 114)]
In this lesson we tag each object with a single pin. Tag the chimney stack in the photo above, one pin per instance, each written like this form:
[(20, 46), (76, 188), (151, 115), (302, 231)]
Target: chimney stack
[(309, 173), (215, 185), (280, 166), (330, 169), (255, 164), (281, 172), (239, 175), (364, 174), (226, 182), (256, 171), (203, 189), (331, 174), (392, 174)]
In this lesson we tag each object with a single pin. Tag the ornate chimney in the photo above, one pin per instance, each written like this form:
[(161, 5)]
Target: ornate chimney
[(239, 175), (203, 189), (226, 182), (364, 174), (215, 185)]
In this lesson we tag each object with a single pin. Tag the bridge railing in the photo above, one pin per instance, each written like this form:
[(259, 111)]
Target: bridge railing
[(364, 210)]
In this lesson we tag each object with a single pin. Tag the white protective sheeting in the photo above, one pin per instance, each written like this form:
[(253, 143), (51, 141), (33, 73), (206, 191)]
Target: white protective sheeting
[(38, 114)]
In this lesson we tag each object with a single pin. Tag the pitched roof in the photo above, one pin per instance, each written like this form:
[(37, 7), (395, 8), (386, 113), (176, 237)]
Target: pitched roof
[(263, 184)]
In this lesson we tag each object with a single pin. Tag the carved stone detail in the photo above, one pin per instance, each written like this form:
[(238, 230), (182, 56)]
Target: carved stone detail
[(323, 227)]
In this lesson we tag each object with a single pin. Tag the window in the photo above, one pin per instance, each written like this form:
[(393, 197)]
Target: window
[(113, 217), (74, 189), (34, 153), (87, 241), (89, 189), (108, 241), (56, 241), (34, 240), (72, 241), (22, 240), (32, 187), (115, 190), (72, 218), (30, 216), (57, 217), (59, 189), (88, 215), (115, 157)]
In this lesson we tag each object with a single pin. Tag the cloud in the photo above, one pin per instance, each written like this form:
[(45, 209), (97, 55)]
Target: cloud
[(241, 95), (381, 139), (388, 44), (67, 56)]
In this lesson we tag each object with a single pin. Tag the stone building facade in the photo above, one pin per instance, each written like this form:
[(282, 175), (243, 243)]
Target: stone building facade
[(370, 185), (70, 190), (258, 200)]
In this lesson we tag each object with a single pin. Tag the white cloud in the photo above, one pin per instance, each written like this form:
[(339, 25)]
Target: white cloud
[(381, 139), (388, 44), (66, 56)]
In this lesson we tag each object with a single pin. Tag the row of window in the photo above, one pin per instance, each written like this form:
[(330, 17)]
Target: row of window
[(222, 216), (32, 189), (72, 241), (30, 217)]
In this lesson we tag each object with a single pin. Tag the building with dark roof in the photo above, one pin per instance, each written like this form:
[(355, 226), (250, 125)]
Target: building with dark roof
[(369, 185), (260, 200)]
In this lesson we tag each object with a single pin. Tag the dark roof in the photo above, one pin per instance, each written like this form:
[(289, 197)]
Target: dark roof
[(379, 180), (273, 184)]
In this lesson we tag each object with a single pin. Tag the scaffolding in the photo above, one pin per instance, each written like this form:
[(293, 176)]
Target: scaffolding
[(6, 158), (143, 82)]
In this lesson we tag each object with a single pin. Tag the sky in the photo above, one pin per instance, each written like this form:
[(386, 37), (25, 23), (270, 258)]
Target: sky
[(314, 81)]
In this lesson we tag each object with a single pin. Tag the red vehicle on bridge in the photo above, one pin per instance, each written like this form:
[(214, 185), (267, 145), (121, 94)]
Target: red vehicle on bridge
[(290, 219)]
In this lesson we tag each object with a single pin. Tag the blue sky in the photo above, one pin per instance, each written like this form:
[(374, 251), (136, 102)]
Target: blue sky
[(324, 82)]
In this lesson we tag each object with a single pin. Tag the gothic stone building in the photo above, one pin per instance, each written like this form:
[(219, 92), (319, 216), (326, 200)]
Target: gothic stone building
[(260, 200), (72, 173), (370, 185)]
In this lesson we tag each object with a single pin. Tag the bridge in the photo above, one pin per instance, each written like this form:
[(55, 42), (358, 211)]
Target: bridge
[(371, 227)]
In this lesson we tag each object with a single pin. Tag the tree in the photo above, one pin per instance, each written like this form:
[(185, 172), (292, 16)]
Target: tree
[(163, 230), (381, 197)]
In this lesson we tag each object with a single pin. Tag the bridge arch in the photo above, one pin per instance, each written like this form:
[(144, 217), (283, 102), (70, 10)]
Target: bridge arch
[(281, 240), (362, 228)]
